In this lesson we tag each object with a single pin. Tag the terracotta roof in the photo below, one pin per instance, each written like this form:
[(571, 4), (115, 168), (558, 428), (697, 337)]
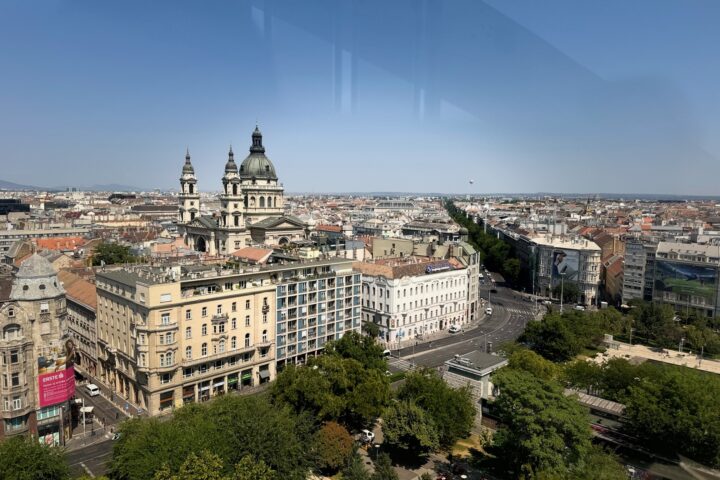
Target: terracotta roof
[(60, 243), (78, 289), (253, 254), (328, 228), (406, 267)]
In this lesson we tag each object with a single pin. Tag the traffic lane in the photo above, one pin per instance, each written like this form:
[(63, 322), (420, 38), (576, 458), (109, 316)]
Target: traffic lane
[(105, 412), (95, 457)]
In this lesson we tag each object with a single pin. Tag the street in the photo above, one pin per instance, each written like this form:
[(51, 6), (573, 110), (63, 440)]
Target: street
[(92, 459)]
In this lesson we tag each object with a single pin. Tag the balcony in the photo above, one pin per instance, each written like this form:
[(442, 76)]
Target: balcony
[(217, 356), (220, 318), (264, 344)]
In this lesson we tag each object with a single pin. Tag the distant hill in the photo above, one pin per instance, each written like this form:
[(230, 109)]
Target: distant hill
[(5, 185)]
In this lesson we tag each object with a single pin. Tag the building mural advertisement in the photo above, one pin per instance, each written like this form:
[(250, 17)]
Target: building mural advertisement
[(56, 376), (567, 263), (679, 282)]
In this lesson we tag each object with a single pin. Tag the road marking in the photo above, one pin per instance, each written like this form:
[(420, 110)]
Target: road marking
[(87, 470)]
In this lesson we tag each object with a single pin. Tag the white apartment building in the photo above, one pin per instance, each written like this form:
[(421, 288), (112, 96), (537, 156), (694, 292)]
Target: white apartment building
[(414, 296), (564, 260)]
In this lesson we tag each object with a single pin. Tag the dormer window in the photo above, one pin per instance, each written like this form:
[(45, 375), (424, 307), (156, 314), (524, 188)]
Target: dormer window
[(11, 312)]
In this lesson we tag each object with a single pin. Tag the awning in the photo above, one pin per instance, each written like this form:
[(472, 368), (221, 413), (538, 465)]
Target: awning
[(232, 380), (264, 374), (247, 376), (219, 384), (207, 387)]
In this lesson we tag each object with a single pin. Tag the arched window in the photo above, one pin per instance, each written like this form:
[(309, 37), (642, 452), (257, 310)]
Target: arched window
[(264, 336), (203, 349), (233, 343), (188, 353), (11, 332), (262, 202), (221, 346), (169, 358), (190, 187), (252, 201), (247, 340), (234, 188), (188, 332), (204, 329)]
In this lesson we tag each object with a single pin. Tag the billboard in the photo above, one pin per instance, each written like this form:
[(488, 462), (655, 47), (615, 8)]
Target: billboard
[(565, 262), (56, 387), (56, 374), (678, 281)]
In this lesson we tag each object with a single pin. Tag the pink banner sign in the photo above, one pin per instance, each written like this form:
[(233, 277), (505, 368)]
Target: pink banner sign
[(56, 387)]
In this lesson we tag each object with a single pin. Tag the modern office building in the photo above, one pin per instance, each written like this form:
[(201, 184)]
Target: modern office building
[(634, 271)]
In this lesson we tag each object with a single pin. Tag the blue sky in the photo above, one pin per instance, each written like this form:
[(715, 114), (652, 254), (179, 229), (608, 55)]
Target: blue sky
[(410, 95)]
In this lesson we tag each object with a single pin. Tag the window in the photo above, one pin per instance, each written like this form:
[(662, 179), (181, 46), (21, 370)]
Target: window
[(265, 304), (221, 328), (233, 323), (165, 319), (48, 412), (219, 309), (188, 353), (204, 329), (188, 314), (247, 320), (264, 317), (165, 378), (15, 380), (188, 333), (233, 307), (11, 312), (17, 403), (247, 340), (221, 345), (44, 307), (12, 332), (14, 357), (142, 360), (204, 311), (233, 343), (264, 336), (169, 338), (247, 304), (203, 350)]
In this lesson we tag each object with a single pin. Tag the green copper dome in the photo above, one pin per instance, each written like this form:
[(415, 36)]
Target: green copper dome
[(257, 165)]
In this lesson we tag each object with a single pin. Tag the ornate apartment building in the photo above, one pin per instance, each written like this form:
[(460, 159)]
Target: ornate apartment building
[(251, 206), (172, 336), (36, 357)]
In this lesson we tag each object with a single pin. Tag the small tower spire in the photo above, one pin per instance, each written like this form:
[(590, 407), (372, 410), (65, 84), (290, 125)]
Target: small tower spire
[(257, 146)]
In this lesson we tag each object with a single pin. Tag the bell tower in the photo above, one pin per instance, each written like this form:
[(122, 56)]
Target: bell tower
[(189, 198)]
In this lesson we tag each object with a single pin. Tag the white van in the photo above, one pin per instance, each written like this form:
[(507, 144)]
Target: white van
[(488, 311), (92, 389), (454, 328)]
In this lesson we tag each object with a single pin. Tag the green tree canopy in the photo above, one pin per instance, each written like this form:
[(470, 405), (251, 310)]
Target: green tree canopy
[(355, 469), (544, 431), (384, 469), (531, 362), (408, 427), (230, 427), (23, 458), (359, 347), (112, 253), (451, 410)]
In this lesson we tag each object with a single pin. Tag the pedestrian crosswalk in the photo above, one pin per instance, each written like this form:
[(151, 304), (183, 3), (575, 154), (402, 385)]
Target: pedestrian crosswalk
[(401, 364)]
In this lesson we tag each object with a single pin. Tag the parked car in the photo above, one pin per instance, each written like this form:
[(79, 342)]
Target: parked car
[(366, 436), (454, 329), (386, 353), (580, 308), (93, 390)]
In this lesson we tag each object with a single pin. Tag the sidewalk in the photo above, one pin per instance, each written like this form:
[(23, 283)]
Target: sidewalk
[(674, 357), (431, 337)]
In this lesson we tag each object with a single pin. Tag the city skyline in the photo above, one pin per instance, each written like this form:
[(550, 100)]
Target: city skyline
[(518, 97)]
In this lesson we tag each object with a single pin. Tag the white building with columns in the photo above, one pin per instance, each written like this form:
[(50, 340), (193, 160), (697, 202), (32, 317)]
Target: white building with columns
[(411, 297)]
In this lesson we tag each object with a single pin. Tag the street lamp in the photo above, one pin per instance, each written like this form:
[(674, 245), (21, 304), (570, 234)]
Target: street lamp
[(682, 340), (562, 290)]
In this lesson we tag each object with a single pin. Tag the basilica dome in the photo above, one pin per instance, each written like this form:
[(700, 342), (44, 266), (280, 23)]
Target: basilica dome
[(257, 165)]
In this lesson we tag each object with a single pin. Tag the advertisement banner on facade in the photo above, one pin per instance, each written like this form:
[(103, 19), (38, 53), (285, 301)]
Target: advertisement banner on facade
[(56, 387), (682, 283), (567, 263)]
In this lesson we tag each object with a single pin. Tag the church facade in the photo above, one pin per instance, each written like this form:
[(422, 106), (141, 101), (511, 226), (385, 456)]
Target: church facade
[(251, 207)]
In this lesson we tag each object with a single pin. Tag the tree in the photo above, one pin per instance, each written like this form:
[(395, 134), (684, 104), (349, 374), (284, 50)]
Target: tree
[(569, 291), (371, 329), (230, 427), (250, 468), (408, 427), (359, 347), (205, 466), (384, 469), (599, 465), (24, 458), (112, 253), (355, 469), (583, 375), (451, 410), (334, 446), (552, 338), (531, 362), (545, 431), (511, 269)]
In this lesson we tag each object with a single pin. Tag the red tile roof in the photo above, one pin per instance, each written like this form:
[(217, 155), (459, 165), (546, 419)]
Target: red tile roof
[(253, 254), (79, 289), (60, 243), (328, 228)]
